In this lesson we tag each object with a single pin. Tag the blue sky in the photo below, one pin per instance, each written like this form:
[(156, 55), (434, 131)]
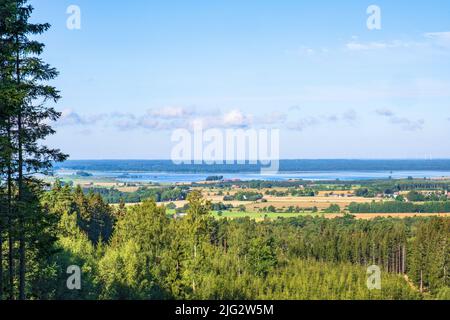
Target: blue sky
[(139, 69)]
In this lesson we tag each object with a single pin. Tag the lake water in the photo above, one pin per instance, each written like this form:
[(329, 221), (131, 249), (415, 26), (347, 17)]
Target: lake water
[(158, 177)]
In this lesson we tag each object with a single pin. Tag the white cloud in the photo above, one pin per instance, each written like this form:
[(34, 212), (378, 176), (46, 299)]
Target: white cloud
[(384, 112), (145, 121), (273, 118), (348, 117), (403, 122), (440, 38), (365, 46), (303, 123), (236, 119), (428, 40), (407, 124), (356, 46), (231, 119), (305, 51), (171, 118), (71, 118), (171, 112)]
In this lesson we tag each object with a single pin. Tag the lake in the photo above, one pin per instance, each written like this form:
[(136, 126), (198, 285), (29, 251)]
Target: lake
[(167, 177)]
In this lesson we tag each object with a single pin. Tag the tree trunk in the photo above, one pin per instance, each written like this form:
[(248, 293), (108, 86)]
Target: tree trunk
[(1, 256), (10, 221), (421, 281), (404, 260), (20, 185), (445, 275)]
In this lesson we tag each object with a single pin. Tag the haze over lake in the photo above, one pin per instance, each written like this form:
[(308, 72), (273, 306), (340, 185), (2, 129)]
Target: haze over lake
[(163, 171)]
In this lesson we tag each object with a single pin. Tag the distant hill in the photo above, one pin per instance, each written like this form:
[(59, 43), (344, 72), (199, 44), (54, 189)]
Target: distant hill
[(285, 166)]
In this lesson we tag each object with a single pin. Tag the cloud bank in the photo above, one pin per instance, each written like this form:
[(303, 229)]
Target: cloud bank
[(404, 123)]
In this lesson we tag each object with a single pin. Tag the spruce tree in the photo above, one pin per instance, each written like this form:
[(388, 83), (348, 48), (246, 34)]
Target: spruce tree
[(7, 97), (27, 74)]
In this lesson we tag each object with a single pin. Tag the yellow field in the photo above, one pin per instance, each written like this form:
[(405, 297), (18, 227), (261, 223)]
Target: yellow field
[(322, 201), (369, 216)]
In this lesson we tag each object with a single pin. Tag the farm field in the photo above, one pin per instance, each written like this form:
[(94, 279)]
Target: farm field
[(282, 202), (369, 216), (275, 215), (359, 216)]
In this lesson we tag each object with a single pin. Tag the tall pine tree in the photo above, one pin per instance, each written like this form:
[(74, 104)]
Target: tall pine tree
[(7, 97), (26, 75)]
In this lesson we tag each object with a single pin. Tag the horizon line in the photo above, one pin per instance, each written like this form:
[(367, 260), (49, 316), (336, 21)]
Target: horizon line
[(286, 159)]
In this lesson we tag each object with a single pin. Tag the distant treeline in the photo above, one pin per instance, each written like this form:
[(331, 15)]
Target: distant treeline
[(285, 166), (405, 185), (214, 178), (158, 194), (400, 207), (373, 187), (294, 192), (244, 196), (264, 184)]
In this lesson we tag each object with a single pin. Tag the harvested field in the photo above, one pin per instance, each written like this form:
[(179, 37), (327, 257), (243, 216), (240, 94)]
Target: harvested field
[(369, 216)]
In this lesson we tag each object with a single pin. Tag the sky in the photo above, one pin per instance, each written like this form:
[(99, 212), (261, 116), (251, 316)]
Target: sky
[(138, 70)]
